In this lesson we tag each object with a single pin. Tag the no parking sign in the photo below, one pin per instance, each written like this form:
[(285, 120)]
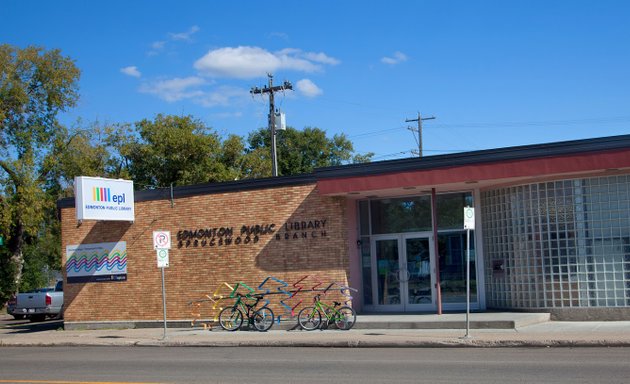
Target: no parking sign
[(161, 239)]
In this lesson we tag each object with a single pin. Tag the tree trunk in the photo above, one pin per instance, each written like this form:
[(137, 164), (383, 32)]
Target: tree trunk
[(17, 253)]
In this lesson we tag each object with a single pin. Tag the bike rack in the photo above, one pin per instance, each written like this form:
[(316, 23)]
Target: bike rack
[(289, 295)]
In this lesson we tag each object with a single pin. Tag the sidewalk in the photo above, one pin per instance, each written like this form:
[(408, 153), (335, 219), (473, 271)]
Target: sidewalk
[(546, 334)]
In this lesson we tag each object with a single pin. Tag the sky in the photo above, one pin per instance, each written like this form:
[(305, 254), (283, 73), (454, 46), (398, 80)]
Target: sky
[(493, 73)]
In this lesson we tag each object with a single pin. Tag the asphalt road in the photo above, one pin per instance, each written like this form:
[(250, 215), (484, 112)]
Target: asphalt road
[(308, 365)]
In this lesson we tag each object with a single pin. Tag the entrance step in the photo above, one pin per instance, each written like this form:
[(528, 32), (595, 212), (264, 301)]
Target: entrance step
[(482, 320)]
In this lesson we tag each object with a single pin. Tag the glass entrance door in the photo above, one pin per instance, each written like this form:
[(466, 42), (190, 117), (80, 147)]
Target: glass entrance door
[(417, 272), (386, 276), (403, 273)]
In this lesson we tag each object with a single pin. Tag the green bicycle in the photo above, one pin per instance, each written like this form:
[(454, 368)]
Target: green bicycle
[(231, 318), (310, 318)]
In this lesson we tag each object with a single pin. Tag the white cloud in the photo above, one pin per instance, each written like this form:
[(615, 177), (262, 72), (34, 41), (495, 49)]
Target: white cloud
[(249, 62), (321, 58), (158, 46), (223, 96), (191, 88), (398, 58), (241, 62), (279, 35), (131, 71), (308, 88), (175, 89), (186, 36)]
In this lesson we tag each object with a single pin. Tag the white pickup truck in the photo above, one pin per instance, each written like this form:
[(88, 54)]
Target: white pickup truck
[(37, 305)]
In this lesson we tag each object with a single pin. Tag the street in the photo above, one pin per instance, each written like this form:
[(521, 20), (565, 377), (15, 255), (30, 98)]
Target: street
[(300, 365)]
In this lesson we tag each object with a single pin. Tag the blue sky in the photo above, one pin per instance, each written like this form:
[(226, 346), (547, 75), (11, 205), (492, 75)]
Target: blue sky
[(493, 73)]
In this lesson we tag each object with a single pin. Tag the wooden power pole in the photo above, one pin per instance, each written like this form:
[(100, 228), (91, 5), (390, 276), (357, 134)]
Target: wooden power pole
[(419, 130), (270, 89)]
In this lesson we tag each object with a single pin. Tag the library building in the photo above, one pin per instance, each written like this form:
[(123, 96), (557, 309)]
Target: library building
[(551, 234)]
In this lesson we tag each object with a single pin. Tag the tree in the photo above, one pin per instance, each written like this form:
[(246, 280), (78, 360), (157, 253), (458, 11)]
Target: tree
[(232, 157), (35, 85), (303, 151), (178, 150)]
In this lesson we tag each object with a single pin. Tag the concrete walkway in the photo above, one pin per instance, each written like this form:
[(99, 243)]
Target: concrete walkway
[(390, 333)]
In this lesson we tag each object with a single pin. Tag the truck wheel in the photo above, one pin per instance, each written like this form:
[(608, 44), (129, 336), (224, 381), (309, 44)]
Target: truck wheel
[(18, 317)]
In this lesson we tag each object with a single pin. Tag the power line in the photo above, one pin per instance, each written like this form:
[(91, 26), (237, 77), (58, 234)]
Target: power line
[(593, 120), (415, 152), (620, 119), (371, 133)]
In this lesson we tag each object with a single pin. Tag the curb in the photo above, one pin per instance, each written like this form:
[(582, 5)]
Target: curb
[(450, 343), (406, 344)]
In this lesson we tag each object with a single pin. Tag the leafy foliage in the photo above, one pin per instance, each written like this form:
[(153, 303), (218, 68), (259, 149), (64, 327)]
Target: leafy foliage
[(303, 151), (35, 85), (173, 149)]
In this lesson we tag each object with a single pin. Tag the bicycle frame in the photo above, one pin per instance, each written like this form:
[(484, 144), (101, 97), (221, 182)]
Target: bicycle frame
[(329, 311), (310, 318), (257, 317)]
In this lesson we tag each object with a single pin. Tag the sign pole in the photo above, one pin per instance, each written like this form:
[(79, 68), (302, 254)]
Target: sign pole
[(469, 223), (164, 302), (162, 243), (467, 284)]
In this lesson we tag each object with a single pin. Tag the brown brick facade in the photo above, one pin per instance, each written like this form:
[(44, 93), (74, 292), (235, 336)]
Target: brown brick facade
[(293, 233)]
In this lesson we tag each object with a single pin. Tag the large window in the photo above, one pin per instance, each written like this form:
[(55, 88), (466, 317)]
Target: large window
[(412, 214), (558, 244), (452, 249)]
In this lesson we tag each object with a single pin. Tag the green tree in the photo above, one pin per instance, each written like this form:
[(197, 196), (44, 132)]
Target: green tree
[(173, 149), (35, 86), (232, 157), (81, 151), (256, 163), (303, 151)]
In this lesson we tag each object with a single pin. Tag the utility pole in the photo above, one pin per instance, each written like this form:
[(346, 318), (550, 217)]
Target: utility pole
[(419, 130), (272, 115)]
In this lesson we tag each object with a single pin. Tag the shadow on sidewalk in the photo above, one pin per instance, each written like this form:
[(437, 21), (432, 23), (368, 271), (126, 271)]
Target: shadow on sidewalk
[(12, 326)]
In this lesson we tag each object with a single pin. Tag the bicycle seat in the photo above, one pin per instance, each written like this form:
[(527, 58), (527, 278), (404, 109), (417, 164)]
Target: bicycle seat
[(336, 303)]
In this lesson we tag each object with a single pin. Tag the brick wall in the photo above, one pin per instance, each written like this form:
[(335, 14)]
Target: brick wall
[(299, 234)]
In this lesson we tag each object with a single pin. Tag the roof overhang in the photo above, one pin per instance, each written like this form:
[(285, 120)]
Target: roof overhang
[(480, 169)]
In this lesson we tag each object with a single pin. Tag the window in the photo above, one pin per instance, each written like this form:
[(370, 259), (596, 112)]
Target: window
[(564, 243)]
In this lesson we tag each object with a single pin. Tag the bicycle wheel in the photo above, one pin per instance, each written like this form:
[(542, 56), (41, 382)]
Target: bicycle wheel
[(309, 318), (345, 318), (263, 319), (230, 319)]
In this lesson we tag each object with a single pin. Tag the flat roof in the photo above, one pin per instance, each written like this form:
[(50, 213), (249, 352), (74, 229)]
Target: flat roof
[(524, 152), (434, 162)]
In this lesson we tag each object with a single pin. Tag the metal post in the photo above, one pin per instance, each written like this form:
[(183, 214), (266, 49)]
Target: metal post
[(164, 302), (436, 250), (467, 284)]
